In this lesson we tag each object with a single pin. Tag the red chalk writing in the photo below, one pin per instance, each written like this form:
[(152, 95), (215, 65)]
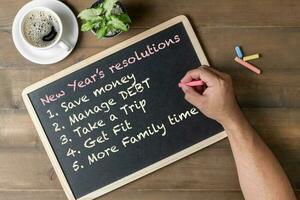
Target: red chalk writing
[(52, 97)]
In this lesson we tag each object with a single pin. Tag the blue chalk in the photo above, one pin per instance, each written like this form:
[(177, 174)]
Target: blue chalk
[(239, 52)]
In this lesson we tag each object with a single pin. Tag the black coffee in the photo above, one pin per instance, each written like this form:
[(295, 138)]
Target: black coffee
[(40, 28)]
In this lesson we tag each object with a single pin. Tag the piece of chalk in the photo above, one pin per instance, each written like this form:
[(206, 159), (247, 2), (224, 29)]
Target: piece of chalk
[(247, 65), (192, 83), (239, 52), (251, 57)]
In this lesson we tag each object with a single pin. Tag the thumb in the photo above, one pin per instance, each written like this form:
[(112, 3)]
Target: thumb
[(192, 96)]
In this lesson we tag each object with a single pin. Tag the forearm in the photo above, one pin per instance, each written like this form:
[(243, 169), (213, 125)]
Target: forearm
[(260, 174)]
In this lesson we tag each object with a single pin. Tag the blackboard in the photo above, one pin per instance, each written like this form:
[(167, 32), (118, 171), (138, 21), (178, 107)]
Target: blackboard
[(120, 115)]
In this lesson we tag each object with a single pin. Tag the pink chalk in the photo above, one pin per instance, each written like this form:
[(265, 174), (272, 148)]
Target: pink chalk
[(248, 65), (192, 83)]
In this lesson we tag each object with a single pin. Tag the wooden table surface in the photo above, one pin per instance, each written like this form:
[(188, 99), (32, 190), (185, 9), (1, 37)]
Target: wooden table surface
[(271, 101)]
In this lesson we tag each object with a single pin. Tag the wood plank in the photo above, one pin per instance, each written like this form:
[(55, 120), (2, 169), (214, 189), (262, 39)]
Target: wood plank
[(270, 27), (11, 58), (17, 130), (279, 127), (277, 46), (33, 195), (267, 90), (209, 169), (275, 88), (221, 13), (130, 195)]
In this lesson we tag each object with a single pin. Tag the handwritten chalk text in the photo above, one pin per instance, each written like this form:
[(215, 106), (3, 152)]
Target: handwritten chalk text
[(150, 50), (153, 129), (114, 84), (102, 107), (52, 97), (75, 85)]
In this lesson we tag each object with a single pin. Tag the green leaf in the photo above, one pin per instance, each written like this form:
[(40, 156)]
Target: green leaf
[(101, 32), (90, 14), (100, 5), (100, 10), (87, 26), (124, 18), (110, 28), (118, 24), (108, 6), (97, 25)]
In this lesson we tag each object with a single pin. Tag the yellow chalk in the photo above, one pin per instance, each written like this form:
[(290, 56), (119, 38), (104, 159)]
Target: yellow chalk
[(251, 57)]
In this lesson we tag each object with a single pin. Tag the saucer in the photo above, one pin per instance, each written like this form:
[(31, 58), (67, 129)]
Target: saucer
[(56, 53)]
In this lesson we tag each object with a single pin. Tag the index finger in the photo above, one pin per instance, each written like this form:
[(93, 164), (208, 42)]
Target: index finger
[(200, 73)]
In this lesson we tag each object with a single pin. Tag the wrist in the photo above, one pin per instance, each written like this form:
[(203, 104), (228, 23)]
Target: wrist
[(234, 118)]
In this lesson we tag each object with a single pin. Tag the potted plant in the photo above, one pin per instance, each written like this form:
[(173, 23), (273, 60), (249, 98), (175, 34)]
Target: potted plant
[(105, 18)]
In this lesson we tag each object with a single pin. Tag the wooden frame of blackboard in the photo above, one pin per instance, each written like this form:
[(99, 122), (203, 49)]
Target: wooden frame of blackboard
[(162, 163)]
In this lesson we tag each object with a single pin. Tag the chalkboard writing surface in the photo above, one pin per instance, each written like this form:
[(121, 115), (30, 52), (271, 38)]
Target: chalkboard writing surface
[(120, 115)]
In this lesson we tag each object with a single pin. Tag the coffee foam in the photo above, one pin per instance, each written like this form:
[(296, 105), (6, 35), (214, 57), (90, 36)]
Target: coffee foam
[(37, 24)]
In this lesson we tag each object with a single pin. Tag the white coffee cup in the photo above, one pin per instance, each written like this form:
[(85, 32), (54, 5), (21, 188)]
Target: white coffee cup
[(58, 39)]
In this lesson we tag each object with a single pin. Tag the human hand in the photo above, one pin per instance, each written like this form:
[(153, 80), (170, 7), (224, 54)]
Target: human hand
[(216, 99)]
